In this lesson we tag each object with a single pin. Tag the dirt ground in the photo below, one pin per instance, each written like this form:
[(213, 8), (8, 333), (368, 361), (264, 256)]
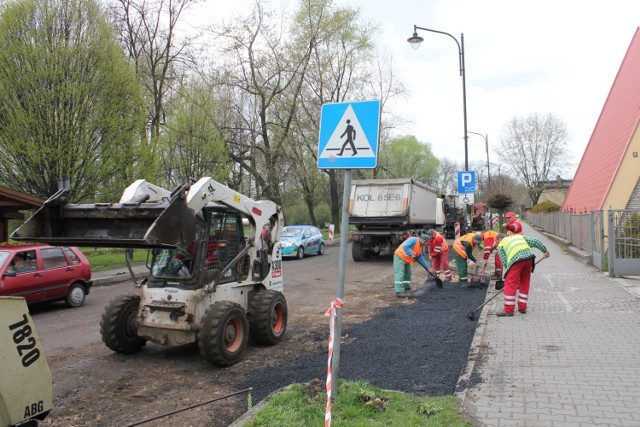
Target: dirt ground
[(96, 387)]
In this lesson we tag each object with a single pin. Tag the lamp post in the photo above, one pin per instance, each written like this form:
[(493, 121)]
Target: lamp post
[(486, 144), (415, 41)]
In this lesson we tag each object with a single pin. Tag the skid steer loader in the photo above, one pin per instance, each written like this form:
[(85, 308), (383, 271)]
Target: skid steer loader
[(208, 283)]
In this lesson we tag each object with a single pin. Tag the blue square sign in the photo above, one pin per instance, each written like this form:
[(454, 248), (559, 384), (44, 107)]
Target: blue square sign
[(349, 134), (466, 182)]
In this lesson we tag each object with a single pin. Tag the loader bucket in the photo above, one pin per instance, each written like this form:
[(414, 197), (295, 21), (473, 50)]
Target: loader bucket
[(111, 225)]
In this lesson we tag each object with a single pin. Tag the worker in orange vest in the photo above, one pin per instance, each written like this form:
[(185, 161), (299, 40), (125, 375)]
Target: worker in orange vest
[(439, 253), (409, 251), (463, 248), (491, 240)]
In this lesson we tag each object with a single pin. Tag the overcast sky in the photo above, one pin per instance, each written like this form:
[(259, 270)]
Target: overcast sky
[(547, 56)]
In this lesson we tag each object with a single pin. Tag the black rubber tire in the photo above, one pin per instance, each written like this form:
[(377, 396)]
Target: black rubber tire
[(118, 327), (268, 316), (75, 295), (300, 253), (321, 249), (223, 334), (357, 252)]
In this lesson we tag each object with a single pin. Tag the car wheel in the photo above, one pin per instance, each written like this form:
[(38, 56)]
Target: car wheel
[(300, 253), (321, 249), (118, 325), (268, 317), (75, 295), (224, 333)]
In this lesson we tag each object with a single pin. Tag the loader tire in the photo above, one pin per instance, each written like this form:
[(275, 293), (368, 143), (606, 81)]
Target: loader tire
[(118, 325), (268, 317), (223, 334)]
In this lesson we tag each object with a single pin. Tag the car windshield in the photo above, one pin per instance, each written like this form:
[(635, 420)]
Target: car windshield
[(291, 232), (3, 256)]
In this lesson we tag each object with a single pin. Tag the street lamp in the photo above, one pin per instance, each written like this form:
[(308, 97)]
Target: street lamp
[(486, 144), (415, 41)]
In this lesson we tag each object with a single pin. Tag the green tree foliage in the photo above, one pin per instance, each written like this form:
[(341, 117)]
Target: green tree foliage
[(406, 157), (545, 207), (70, 104), (192, 145)]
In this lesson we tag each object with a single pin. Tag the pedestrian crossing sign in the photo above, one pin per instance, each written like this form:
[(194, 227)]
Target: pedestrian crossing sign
[(349, 135)]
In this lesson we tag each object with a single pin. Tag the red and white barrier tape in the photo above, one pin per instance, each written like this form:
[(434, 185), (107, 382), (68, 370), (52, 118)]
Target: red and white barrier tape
[(331, 312)]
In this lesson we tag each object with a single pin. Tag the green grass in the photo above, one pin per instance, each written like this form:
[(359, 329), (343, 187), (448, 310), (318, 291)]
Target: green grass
[(357, 404), (102, 259)]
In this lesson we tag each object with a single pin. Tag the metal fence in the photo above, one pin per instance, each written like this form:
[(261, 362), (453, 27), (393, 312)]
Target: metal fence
[(595, 233)]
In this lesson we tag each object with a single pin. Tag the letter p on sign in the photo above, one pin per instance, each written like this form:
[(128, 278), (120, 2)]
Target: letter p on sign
[(467, 182)]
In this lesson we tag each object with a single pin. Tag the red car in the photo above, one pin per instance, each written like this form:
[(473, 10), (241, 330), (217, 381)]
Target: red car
[(44, 273)]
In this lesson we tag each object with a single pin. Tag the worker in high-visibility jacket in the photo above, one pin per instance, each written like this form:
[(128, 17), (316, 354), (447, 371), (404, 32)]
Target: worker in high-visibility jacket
[(519, 261), (463, 248), (409, 251), (439, 253), (491, 240)]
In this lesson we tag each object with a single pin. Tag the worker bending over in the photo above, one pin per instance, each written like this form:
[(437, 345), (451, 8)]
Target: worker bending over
[(439, 253), (463, 248), (409, 251), (518, 260)]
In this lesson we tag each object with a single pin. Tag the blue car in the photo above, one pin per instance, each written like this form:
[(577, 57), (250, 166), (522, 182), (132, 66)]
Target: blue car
[(300, 240)]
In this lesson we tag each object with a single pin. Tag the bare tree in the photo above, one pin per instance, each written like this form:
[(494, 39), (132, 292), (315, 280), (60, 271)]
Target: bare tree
[(448, 176), (149, 34), (534, 148), (264, 80), (342, 67)]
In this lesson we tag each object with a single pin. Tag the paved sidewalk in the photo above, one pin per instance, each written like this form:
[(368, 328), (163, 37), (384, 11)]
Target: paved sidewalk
[(572, 360)]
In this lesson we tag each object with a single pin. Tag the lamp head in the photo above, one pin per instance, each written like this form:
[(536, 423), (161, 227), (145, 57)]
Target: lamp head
[(415, 40)]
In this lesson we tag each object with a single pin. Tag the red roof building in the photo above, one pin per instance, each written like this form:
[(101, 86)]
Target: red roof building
[(609, 171)]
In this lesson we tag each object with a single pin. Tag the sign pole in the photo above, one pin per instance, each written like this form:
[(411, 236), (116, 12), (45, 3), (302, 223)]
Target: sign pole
[(344, 231)]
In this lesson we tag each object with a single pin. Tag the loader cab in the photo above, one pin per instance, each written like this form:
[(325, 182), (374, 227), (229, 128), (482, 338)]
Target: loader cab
[(218, 242)]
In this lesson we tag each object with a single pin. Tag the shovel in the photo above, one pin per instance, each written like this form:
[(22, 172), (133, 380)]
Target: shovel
[(472, 314), (438, 280)]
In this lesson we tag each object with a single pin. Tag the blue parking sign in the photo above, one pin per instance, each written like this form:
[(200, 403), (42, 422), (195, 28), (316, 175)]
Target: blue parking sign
[(466, 182)]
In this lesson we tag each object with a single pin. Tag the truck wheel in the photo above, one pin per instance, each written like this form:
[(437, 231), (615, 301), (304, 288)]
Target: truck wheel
[(357, 252), (118, 325), (75, 295), (300, 253), (268, 317), (224, 333)]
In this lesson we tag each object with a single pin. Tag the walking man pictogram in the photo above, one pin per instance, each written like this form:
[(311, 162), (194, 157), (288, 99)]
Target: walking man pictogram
[(351, 136)]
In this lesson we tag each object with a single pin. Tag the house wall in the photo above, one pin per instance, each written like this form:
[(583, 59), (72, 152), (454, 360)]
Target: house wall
[(626, 177), (555, 195)]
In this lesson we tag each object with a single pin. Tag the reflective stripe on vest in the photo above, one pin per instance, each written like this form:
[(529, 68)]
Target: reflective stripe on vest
[(459, 247), (512, 245), (405, 257), (444, 245)]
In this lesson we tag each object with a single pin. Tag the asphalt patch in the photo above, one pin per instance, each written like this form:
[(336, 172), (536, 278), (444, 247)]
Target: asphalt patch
[(419, 345)]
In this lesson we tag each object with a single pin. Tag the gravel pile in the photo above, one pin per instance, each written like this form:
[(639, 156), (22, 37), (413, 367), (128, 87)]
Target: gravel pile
[(419, 345)]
